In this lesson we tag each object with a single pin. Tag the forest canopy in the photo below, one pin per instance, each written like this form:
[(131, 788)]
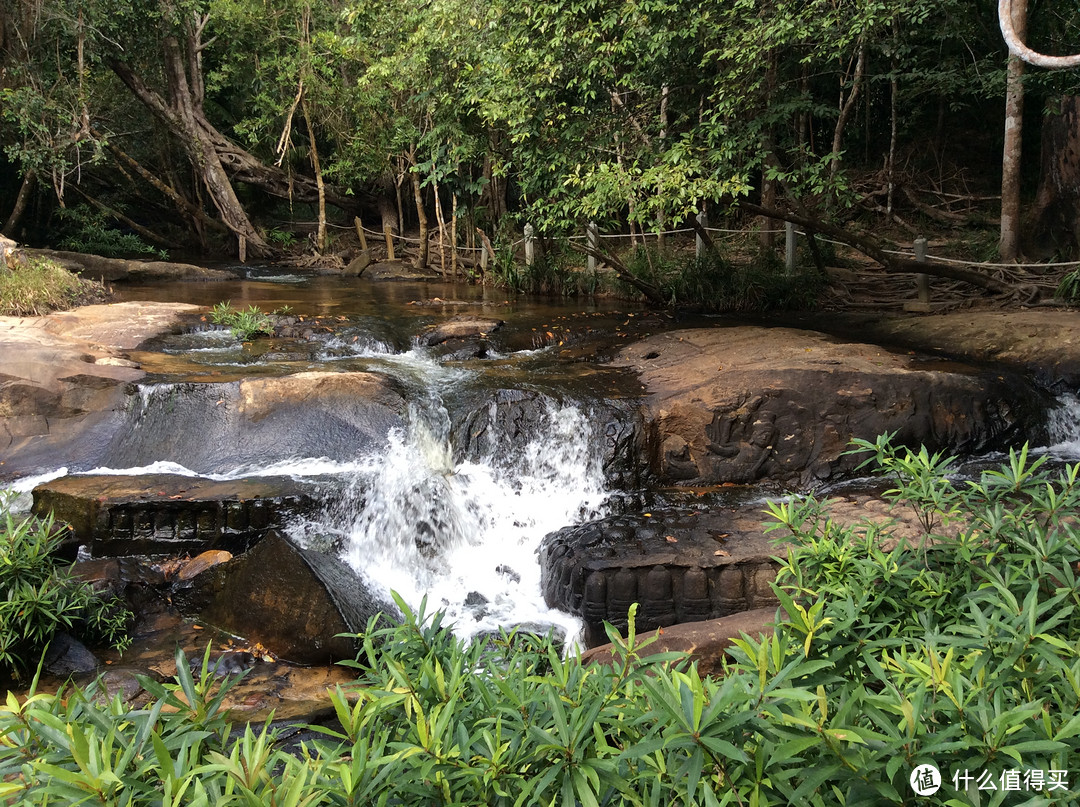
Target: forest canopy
[(207, 122)]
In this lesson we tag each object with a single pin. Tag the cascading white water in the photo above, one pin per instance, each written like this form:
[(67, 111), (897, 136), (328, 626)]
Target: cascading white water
[(1063, 427), (465, 534)]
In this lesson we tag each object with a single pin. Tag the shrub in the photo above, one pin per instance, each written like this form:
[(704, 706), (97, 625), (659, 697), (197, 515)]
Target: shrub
[(713, 283), (962, 651), (86, 229), (40, 285), (244, 323), (40, 598)]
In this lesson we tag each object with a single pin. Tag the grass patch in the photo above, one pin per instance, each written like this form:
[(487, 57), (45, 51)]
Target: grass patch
[(41, 285)]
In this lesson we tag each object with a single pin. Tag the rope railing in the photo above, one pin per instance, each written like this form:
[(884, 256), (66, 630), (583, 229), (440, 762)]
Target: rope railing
[(743, 232)]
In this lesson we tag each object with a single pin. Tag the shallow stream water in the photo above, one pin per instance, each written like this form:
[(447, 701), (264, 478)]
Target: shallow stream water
[(420, 514)]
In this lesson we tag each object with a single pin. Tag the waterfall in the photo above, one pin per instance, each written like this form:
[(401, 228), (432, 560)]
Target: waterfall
[(465, 533), (1063, 427)]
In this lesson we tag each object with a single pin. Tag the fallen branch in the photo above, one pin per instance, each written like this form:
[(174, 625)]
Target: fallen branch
[(877, 253)]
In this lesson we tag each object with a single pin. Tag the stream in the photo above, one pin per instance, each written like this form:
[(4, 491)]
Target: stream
[(492, 453)]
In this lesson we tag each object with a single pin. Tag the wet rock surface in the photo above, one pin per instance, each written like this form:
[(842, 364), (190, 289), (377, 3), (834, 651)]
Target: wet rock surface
[(743, 404), (162, 514), (502, 422), (208, 427), (64, 380)]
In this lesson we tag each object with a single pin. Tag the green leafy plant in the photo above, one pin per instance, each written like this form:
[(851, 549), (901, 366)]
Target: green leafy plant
[(41, 598), (85, 229), (244, 323), (1069, 287), (962, 652)]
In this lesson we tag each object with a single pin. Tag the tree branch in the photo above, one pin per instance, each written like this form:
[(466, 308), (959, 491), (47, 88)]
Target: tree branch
[(1021, 51)]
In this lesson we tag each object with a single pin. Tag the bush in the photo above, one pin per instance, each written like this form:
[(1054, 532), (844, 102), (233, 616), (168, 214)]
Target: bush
[(86, 229), (962, 651), (712, 283), (40, 285), (40, 598), (244, 323)]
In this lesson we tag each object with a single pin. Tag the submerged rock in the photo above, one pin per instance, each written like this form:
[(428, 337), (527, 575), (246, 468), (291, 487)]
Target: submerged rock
[(745, 404)]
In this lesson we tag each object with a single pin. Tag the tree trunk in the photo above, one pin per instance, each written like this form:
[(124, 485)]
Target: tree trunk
[(767, 238), (1009, 244), (317, 167), (26, 190), (421, 216), (1054, 222), (182, 114), (847, 106)]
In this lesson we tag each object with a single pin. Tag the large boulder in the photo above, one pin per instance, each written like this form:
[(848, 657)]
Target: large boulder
[(256, 421), (680, 566), (162, 514), (748, 403), (294, 601)]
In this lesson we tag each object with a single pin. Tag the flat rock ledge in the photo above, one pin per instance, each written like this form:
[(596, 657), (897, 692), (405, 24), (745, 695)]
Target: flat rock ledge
[(743, 404), (66, 375), (119, 270), (1044, 343), (163, 514)]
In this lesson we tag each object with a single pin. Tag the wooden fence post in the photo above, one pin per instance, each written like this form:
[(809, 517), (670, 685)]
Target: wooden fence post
[(699, 244), (594, 245), (360, 232), (389, 241), (791, 242), (530, 245)]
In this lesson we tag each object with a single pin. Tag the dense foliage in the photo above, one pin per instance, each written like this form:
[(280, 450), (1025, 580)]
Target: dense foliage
[(632, 114), (40, 597), (962, 652)]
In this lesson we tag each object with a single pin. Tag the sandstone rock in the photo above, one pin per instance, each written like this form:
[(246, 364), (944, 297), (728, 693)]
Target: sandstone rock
[(357, 265), (162, 514), (202, 562), (1044, 342), (704, 642), (293, 601), (257, 421), (678, 565), (461, 328), (744, 404), (64, 380)]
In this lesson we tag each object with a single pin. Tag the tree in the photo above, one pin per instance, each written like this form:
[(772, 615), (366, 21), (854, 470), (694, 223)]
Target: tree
[(1057, 204)]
